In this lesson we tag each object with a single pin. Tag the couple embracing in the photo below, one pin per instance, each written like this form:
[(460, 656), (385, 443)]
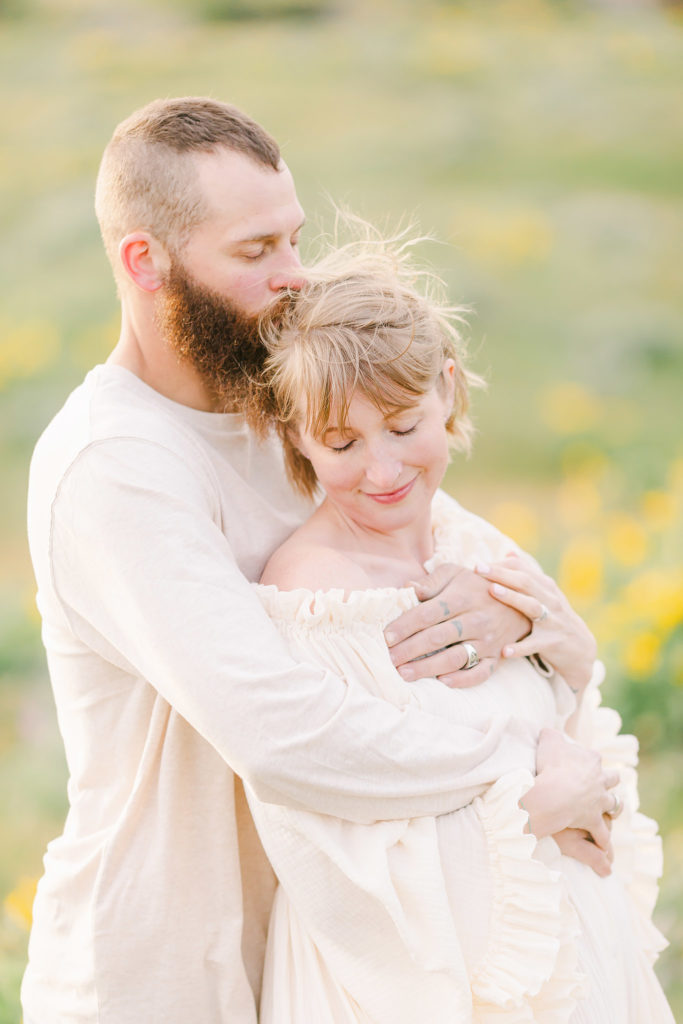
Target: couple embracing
[(334, 744)]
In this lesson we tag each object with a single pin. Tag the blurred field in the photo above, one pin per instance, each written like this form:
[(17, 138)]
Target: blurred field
[(541, 144)]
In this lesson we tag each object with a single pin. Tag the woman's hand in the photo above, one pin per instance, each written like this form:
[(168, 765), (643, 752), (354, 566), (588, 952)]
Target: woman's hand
[(571, 791), (455, 608), (576, 843), (558, 634)]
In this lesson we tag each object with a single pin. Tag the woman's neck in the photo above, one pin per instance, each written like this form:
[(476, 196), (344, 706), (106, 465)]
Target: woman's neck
[(390, 557)]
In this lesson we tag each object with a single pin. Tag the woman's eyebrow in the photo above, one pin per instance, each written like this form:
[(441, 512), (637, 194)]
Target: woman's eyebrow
[(340, 431)]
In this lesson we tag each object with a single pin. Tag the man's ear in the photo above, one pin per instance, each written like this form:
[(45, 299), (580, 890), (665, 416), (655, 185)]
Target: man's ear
[(144, 259)]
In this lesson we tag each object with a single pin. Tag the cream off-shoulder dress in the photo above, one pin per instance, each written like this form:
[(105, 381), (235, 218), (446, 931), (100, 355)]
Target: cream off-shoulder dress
[(464, 917)]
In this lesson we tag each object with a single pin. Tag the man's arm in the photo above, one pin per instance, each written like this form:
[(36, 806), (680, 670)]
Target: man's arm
[(146, 578)]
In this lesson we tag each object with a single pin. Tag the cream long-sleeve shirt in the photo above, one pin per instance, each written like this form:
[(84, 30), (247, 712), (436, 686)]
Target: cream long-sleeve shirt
[(147, 520)]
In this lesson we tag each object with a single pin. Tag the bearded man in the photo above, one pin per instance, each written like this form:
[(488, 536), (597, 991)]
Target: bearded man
[(151, 507)]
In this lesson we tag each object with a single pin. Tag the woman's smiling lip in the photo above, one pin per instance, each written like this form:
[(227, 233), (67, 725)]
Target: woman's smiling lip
[(393, 496)]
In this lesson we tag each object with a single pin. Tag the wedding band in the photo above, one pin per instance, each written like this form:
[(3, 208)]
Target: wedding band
[(618, 807), (472, 656), (543, 615)]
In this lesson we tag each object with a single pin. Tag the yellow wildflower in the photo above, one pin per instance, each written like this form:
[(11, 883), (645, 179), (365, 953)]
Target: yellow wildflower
[(657, 594), (660, 509), (581, 569), (19, 902), (641, 655), (626, 539)]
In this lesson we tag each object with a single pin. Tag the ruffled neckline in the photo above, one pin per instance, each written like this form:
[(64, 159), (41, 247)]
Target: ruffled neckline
[(313, 609), (338, 607)]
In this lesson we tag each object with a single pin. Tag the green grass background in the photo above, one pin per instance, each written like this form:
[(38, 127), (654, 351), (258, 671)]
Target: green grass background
[(540, 143)]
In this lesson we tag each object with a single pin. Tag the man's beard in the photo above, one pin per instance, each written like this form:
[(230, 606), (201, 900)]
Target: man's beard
[(216, 337)]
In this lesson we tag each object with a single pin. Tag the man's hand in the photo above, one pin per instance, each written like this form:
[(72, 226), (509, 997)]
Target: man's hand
[(455, 607)]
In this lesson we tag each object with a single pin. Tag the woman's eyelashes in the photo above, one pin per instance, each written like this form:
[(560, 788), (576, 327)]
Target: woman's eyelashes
[(398, 432)]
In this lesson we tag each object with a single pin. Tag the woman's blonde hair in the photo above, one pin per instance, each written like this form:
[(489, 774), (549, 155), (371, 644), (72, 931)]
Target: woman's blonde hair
[(365, 320)]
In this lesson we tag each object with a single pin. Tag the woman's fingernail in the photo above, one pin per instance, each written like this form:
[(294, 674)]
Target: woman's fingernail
[(406, 673), (390, 638), (483, 568), (507, 651), (497, 589)]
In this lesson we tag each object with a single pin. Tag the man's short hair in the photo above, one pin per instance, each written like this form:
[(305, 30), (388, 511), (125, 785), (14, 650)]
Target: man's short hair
[(147, 179)]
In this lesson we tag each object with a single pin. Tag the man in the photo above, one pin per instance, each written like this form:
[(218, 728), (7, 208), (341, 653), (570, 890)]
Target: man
[(151, 506)]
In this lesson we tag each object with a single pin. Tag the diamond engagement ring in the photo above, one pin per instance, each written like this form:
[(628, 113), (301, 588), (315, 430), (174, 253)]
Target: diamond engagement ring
[(472, 656), (543, 615)]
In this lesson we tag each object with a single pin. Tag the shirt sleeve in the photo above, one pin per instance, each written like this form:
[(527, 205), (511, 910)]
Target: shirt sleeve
[(146, 579)]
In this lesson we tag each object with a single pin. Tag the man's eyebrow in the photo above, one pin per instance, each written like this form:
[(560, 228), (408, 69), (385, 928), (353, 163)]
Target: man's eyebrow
[(266, 236)]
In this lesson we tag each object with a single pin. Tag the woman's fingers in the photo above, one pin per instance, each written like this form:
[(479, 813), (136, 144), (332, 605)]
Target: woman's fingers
[(526, 592), (515, 578), (577, 844), (530, 606), (522, 649)]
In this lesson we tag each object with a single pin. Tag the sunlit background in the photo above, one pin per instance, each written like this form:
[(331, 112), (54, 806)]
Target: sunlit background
[(541, 144)]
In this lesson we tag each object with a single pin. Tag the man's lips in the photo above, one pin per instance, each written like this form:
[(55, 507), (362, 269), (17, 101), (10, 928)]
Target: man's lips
[(391, 497)]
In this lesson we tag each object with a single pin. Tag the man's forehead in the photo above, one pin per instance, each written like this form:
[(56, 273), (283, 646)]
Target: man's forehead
[(245, 193)]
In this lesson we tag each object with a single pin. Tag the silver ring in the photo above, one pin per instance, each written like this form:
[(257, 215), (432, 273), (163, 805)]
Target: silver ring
[(472, 656), (544, 613), (618, 807)]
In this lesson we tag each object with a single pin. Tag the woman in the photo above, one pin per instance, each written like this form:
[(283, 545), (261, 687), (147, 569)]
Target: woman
[(477, 915)]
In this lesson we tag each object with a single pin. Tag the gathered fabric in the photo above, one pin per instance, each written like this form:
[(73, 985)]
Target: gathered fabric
[(463, 917)]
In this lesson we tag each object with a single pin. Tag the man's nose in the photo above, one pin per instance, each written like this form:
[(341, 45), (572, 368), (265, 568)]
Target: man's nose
[(288, 274)]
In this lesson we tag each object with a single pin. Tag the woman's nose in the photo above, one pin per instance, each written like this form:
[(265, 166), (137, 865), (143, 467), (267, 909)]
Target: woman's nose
[(383, 471)]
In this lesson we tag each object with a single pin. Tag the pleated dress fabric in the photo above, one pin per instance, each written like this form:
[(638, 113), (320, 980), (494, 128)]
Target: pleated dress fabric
[(464, 918)]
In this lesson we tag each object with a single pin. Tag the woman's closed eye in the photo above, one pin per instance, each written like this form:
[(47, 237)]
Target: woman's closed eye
[(341, 448), (396, 431)]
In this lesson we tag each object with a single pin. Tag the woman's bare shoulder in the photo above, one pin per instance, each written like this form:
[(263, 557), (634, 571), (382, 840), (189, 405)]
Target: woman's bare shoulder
[(302, 562)]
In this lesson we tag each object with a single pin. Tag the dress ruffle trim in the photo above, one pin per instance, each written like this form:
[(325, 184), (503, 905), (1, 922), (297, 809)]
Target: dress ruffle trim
[(637, 846), (334, 608), (529, 972)]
